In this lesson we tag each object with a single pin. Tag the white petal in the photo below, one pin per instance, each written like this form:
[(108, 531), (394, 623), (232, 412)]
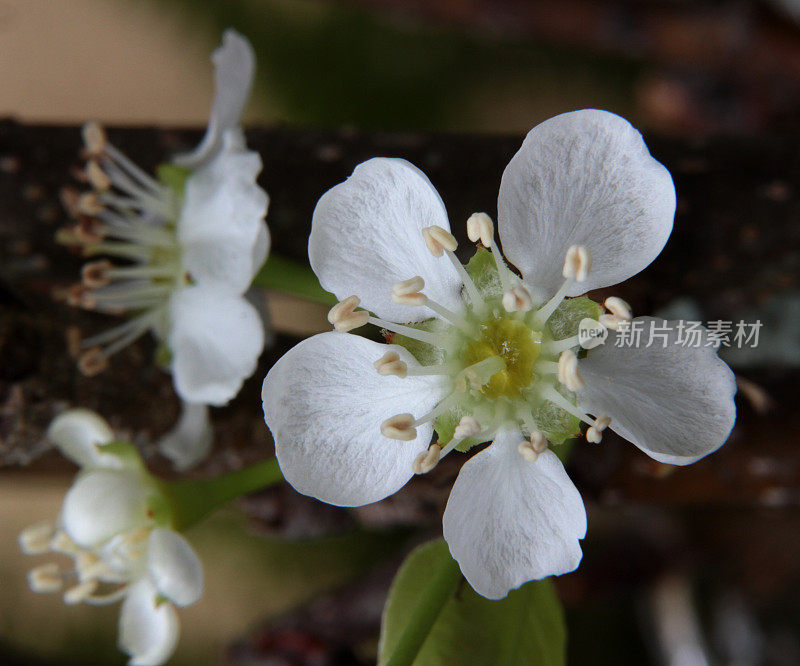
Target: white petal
[(174, 567), (366, 235), (189, 442), (216, 340), (148, 632), (221, 226), (324, 403), (584, 178), (675, 402), (509, 521), (102, 503), (79, 433), (234, 68)]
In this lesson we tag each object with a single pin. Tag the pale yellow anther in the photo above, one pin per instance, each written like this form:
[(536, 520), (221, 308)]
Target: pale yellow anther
[(390, 364), (619, 308), (407, 292), (533, 448), (438, 239), (80, 592), (61, 543), (427, 460), (480, 227), (97, 177), (568, 373), (90, 204), (344, 317), (92, 362), (467, 427), (577, 263), (517, 299), (35, 540), (612, 322), (79, 297), (94, 274), (595, 433), (46, 578), (94, 138), (399, 427)]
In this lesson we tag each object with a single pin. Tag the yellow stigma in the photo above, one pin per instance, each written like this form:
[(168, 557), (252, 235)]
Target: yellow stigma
[(513, 341)]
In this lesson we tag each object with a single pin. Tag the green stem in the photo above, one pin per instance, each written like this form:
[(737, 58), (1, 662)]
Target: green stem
[(442, 585), (293, 278), (193, 499)]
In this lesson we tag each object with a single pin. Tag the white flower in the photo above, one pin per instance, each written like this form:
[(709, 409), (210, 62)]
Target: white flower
[(192, 241), (490, 355), (115, 531)]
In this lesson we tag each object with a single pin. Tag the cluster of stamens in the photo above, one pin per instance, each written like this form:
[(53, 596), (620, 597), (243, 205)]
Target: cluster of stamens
[(490, 382), (90, 579), (130, 216)]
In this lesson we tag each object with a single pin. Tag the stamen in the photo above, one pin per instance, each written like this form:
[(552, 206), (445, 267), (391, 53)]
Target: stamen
[(558, 346), (441, 408), (546, 367), (467, 427), (560, 401), (619, 308), (35, 540), (63, 545), (427, 460), (577, 263), (400, 427), (76, 594), (613, 322), (480, 227), (97, 178), (407, 292), (533, 448), (46, 578), (344, 317), (92, 362), (89, 203), (568, 373), (94, 139), (124, 250), (390, 364), (438, 239), (95, 274), (478, 374), (474, 295), (517, 299), (407, 331), (595, 433), (106, 599), (131, 168)]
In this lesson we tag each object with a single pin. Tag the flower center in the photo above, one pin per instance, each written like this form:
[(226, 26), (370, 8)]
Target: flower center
[(516, 344)]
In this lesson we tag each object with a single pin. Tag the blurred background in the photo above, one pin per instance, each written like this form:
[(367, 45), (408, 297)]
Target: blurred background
[(671, 586)]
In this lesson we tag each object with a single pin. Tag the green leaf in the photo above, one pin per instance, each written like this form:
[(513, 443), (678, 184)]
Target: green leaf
[(527, 627), (294, 278)]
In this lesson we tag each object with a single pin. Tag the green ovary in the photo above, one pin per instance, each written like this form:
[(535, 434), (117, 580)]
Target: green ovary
[(513, 341)]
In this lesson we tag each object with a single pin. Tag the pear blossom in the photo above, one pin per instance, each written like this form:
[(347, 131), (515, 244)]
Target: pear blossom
[(191, 240), (482, 353), (115, 532)]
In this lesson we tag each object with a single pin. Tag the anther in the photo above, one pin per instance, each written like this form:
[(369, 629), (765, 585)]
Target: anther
[(94, 138), (577, 263), (595, 433), (69, 200), (619, 308), (61, 543), (438, 239), (517, 299), (344, 317), (92, 362), (88, 230), (390, 364), (94, 274), (97, 178), (533, 448), (467, 427), (427, 460), (480, 227), (568, 373), (79, 297), (90, 204), (46, 578), (407, 292), (75, 595), (35, 540), (399, 427)]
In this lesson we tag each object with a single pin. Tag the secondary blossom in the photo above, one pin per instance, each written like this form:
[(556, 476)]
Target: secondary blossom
[(487, 354), (115, 531)]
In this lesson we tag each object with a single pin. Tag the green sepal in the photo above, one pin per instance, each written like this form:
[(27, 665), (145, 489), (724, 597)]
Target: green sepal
[(126, 452), (558, 424), (173, 176), (482, 268), (163, 356), (567, 317)]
